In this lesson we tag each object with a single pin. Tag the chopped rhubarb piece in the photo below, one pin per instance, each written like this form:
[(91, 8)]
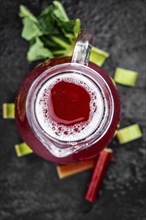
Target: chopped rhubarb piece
[(73, 168), (129, 133), (125, 77), (98, 173), (8, 110), (65, 170), (22, 149), (98, 56)]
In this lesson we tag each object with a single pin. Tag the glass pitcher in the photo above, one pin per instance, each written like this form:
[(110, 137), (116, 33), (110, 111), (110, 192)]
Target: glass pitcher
[(67, 108)]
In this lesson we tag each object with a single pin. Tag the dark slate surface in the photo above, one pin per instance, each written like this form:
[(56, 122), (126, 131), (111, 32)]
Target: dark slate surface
[(30, 188)]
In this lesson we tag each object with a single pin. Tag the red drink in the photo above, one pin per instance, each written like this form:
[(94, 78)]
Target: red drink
[(68, 110), (69, 103)]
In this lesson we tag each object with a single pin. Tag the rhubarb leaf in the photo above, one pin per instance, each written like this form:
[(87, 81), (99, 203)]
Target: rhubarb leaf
[(30, 29), (24, 12), (38, 51), (52, 33)]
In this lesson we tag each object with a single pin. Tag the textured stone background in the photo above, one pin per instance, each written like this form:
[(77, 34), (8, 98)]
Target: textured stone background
[(30, 188)]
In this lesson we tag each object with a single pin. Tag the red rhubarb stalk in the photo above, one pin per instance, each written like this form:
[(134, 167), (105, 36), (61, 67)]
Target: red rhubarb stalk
[(98, 174)]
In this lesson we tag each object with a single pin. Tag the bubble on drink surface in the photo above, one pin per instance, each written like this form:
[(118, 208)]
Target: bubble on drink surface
[(77, 131)]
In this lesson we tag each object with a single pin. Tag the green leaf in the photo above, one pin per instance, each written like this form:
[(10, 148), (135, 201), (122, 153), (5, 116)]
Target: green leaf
[(67, 26), (47, 26), (47, 23), (54, 21), (24, 12), (38, 51), (51, 33), (47, 11), (60, 12), (30, 29)]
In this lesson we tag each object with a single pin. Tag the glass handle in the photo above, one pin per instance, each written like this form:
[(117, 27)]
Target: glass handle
[(82, 48)]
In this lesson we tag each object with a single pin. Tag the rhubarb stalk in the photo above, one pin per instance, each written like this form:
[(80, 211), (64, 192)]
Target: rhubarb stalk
[(98, 173)]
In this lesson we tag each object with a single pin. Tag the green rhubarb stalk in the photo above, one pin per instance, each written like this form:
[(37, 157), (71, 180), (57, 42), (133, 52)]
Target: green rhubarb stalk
[(60, 42), (98, 56)]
